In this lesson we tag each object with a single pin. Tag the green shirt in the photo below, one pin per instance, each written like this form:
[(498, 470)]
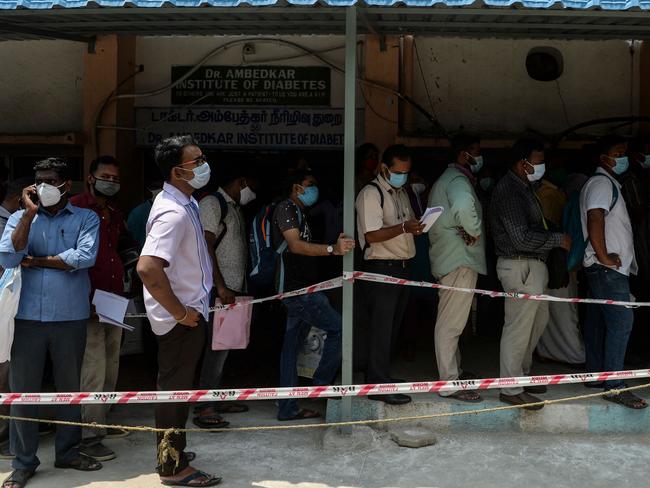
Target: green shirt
[(447, 250)]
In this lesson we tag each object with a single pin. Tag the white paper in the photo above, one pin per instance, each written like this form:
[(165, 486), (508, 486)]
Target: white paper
[(111, 308), (430, 216)]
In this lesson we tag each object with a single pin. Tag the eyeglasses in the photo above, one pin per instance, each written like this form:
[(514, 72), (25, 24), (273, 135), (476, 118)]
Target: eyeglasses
[(200, 161)]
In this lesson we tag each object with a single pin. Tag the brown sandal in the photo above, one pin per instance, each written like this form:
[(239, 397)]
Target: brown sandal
[(627, 399)]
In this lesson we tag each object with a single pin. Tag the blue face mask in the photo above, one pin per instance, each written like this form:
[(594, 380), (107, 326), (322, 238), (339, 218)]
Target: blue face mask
[(621, 166), (310, 196), (645, 163), (397, 180)]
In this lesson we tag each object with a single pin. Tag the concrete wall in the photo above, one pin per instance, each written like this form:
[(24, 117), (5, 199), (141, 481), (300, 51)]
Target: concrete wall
[(483, 84), (41, 86), (159, 54)]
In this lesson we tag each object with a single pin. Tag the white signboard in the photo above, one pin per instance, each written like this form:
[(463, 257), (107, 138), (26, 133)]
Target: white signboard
[(245, 127)]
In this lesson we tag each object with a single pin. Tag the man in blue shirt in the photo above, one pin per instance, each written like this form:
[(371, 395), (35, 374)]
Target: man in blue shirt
[(55, 243)]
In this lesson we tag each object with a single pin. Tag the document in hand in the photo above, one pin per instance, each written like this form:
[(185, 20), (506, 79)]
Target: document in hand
[(430, 216), (111, 308)]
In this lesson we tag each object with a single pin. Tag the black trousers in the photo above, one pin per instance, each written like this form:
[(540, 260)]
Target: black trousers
[(179, 352), (385, 306), (65, 342)]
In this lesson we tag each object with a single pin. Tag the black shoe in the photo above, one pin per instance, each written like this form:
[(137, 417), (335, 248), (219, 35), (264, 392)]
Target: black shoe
[(596, 385), (537, 389), (97, 451), (396, 399)]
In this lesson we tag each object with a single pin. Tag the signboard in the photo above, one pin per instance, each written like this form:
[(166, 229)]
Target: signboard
[(253, 85), (245, 127)]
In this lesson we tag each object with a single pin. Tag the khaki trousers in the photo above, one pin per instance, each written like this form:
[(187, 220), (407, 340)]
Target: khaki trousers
[(99, 372), (453, 311), (525, 320)]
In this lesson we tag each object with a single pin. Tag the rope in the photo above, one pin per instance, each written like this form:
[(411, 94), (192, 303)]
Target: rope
[(166, 451)]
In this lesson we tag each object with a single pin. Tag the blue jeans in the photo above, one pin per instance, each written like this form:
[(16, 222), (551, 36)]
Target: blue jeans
[(607, 327), (304, 312)]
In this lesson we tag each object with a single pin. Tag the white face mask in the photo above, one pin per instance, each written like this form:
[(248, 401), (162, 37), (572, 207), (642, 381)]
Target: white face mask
[(538, 171), (246, 196), (49, 195)]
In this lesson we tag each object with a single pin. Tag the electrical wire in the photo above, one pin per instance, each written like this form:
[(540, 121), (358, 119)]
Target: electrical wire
[(114, 97), (559, 92), (424, 80)]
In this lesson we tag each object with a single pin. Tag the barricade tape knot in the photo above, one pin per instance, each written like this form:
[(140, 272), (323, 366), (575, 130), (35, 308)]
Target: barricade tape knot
[(165, 449)]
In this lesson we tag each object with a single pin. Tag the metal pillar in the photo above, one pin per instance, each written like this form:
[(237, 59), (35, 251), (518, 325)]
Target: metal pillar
[(348, 197)]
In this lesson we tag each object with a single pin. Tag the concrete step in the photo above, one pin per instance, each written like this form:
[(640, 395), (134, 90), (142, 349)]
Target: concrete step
[(593, 415)]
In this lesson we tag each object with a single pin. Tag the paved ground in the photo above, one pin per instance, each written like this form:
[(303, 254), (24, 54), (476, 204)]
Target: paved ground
[(297, 459)]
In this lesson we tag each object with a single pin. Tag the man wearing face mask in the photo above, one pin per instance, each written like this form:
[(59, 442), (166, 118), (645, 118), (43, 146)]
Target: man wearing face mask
[(225, 232), (292, 238), (176, 270), (55, 243), (609, 260), (386, 228), (457, 253), (523, 241), (102, 357)]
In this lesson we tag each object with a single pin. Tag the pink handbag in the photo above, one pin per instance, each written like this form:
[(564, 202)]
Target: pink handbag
[(231, 327)]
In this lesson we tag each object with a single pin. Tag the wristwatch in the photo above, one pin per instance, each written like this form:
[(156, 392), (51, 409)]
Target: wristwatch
[(330, 250)]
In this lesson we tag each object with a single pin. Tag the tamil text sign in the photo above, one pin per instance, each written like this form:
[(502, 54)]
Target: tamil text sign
[(246, 127)]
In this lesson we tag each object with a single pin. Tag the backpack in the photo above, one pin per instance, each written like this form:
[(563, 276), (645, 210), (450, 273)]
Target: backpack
[(223, 206), (572, 225), (264, 253)]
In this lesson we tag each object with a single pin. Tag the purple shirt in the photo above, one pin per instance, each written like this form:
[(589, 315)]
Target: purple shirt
[(175, 234)]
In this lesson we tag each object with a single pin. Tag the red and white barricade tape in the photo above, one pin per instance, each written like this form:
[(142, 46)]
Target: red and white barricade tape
[(242, 394), (325, 285), (379, 278)]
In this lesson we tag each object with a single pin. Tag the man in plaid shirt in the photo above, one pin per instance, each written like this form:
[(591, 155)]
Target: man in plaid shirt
[(523, 241)]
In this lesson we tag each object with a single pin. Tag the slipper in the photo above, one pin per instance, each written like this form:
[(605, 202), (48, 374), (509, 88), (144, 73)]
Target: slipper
[(187, 481), (628, 400), (210, 422), (302, 414), (82, 463), (229, 407), (18, 477), (465, 396)]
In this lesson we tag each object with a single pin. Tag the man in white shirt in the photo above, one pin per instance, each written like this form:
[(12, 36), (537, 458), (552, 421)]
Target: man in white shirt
[(608, 261), (227, 238), (176, 271)]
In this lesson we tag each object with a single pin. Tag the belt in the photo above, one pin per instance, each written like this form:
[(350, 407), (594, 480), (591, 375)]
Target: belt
[(525, 258), (393, 263)]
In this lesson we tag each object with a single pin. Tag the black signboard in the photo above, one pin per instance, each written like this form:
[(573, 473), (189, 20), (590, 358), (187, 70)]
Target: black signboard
[(253, 85)]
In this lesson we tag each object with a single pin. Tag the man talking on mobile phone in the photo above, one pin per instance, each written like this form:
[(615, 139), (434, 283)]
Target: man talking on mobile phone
[(55, 243)]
